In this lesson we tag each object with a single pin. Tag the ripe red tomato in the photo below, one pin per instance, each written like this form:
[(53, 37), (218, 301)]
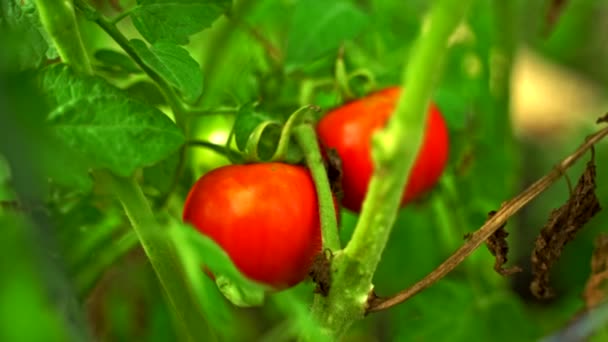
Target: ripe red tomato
[(265, 216), (349, 129)]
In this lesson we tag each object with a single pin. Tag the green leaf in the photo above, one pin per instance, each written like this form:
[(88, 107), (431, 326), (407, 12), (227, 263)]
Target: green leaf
[(26, 44), (26, 289), (198, 252), (111, 130), (24, 136), (147, 92), (116, 61), (240, 296), (161, 175), (175, 20), (174, 64), (319, 27)]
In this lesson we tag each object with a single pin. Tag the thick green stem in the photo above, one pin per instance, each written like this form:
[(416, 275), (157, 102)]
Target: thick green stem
[(394, 149), (307, 139), (393, 152), (158, 247), (58, 19), (161, 253)]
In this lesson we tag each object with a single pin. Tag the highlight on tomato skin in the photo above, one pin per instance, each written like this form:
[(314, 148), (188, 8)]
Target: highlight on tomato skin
[(348, 129), (265, 216)]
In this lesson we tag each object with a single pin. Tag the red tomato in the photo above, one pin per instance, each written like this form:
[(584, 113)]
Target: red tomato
[(349, 129), (265, 216)]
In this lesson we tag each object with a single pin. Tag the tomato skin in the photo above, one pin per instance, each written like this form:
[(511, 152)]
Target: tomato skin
[(349, 129), (265, 216)]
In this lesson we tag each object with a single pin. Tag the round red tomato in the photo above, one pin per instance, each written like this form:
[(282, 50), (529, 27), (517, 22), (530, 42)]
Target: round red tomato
[(349, 128), (265, 216)]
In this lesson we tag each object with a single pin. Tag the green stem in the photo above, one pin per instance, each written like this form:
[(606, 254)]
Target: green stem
[(121, 16), (59, 20), (110, 28), (394, 149), (219, 149), (342, 79), (307, 139), (393, 152), (159, 249), (161, 253)]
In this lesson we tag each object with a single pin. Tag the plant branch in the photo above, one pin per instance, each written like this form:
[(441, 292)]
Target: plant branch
[(121, 16), (393, 153), (110, 28), (507, 210), (395, 148), (307, 139), (220, 149), (161, 253)]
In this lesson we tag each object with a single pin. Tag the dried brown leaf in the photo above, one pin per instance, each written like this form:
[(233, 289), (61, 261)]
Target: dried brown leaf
[(498, 246), (320, 272), (596, 290), (561, 228)]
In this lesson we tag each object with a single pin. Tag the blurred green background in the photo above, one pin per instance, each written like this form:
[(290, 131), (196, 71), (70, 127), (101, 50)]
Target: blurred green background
[(522, 86)]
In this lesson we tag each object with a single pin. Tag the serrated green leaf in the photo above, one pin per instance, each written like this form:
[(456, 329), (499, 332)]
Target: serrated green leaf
[(111, 130), (319, 27), (116, 61), (174, 64), (27, 43), (175, 20)]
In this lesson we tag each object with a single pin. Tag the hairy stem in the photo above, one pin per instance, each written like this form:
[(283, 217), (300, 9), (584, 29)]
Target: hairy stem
[(59, 20), (307, 139), (393, 152), (159, 249), (508, 209), (161, 253)]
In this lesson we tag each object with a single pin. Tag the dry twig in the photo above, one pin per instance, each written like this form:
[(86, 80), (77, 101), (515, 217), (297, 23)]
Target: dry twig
[(509, 209)]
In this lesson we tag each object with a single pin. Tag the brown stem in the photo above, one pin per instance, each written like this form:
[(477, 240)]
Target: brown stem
[(507, 210)]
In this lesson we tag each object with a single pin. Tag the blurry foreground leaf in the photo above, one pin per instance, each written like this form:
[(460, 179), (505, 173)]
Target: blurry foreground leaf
[(24, 300), (197, 253)]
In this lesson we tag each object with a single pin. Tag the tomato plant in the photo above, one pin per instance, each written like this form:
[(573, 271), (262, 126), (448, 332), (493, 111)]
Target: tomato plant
[(141, 104), (264, 215), (349, 129)]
